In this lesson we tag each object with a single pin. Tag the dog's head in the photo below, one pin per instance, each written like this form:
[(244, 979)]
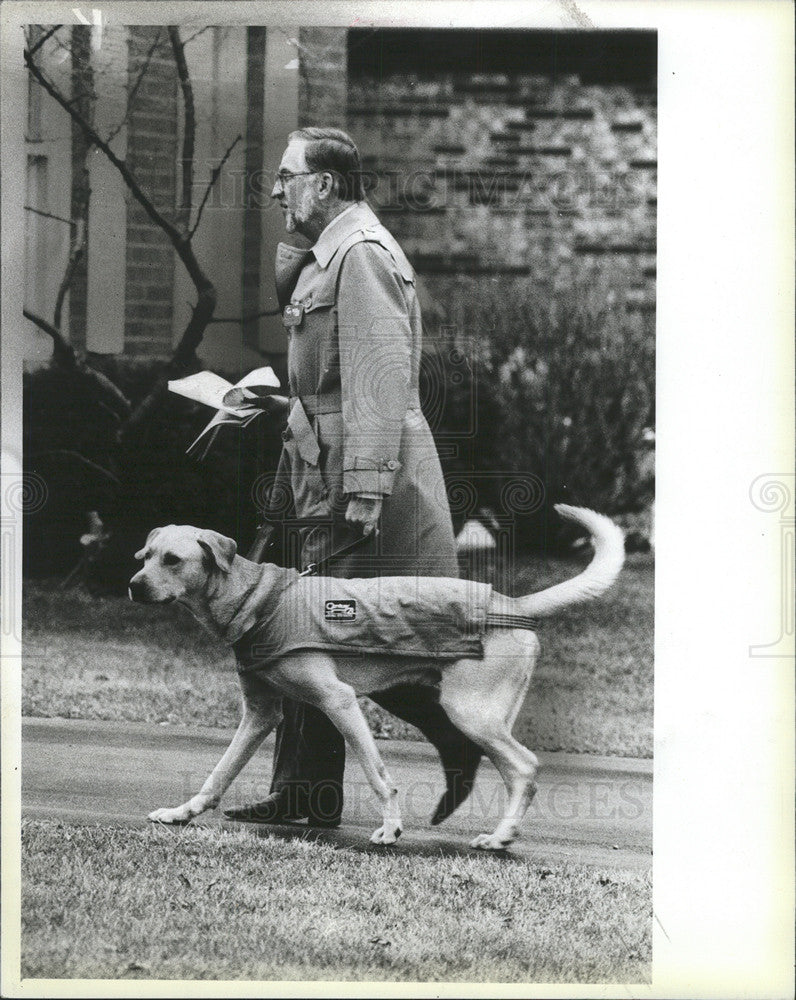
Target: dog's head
[(178, 561)]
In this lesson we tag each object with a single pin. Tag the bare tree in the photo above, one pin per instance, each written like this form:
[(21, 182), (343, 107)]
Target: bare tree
[(180, 232), (178, 229)]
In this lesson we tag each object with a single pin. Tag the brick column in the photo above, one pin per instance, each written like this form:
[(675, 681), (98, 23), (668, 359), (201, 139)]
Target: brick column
[(323, 86), (152, 157)]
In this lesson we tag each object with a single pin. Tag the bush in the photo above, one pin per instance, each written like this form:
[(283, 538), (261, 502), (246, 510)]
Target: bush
[(70, 440), (564, 397)]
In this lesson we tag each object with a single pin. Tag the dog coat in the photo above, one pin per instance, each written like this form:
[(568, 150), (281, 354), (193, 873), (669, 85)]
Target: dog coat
[(422, 617)]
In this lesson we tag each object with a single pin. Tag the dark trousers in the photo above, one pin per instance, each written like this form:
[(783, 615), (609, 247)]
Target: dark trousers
[(309, 756), (309, 759)]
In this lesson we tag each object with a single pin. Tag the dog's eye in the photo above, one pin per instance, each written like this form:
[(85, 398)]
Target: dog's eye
[(169, 559)]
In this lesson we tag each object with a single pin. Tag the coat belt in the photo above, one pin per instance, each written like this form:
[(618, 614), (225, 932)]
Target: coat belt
[(326, 402), (332, 402)]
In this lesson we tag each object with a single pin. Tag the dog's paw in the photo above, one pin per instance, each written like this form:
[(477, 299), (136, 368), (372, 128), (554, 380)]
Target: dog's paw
[(491, 842), (178, 816), (385, 835)]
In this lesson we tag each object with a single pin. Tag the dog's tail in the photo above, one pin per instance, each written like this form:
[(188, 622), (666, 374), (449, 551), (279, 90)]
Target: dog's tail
[(609, 554)]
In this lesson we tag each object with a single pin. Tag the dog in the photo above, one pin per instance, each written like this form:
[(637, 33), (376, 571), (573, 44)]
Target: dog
[(482, 695)]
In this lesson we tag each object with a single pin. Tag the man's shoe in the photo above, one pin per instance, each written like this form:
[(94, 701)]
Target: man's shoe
[(278, 808), (325, 823), (274, 809)]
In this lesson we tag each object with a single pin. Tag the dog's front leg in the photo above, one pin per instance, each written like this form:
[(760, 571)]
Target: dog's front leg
[(312, 677), (342, 708), (261, 713)]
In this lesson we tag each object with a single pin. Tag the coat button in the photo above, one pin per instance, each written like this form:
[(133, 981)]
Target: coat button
[(392, 465)]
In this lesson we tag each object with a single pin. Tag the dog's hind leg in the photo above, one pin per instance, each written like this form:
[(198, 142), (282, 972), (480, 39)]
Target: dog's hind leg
[(458, 754), (515, 706), (483, 700), (516, 765)]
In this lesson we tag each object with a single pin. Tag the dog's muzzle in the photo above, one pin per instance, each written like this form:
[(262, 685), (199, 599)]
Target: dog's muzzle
[(138, 590)]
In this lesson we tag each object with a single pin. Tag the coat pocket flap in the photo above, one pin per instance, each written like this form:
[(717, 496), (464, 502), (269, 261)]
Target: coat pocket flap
[(316, 291), (302, 433)]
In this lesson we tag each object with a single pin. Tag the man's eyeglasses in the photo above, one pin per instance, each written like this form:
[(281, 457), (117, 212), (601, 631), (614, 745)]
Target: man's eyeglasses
[(286, 175)]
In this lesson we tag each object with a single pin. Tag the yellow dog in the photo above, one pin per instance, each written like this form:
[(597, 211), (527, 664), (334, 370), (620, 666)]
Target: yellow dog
[(479, 649)]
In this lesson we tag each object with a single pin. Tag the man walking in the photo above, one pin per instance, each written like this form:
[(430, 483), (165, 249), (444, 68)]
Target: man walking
[(358, 454)]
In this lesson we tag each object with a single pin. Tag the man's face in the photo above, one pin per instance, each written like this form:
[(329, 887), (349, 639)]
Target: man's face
[(296, 191)]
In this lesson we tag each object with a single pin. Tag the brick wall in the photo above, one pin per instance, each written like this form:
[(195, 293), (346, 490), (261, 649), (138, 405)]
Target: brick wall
[(323, 87), (507, 179), (152, 157)]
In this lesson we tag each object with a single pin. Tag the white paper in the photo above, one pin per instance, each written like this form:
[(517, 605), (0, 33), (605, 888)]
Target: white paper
[(213, 390), (203, 387), (230, 402), (260, 378)]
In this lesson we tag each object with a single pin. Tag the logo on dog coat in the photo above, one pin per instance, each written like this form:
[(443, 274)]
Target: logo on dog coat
[(340, 611)]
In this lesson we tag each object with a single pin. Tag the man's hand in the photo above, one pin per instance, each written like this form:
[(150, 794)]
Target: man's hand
[(363, 512), (274, 406)]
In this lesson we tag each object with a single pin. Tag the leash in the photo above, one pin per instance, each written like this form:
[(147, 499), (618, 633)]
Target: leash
[(316, 567), (264, 539)]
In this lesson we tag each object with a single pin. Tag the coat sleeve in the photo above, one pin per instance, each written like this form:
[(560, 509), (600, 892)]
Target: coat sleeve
[(375, 341)]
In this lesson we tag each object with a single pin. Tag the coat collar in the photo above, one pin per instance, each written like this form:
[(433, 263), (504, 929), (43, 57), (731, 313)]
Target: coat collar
[(355, 217)]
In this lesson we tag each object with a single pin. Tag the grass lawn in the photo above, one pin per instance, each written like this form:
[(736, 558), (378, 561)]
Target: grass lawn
[(111, 659), (209, 904)]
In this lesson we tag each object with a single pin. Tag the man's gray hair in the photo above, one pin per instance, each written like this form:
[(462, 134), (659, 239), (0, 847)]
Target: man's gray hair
[(334, 150)]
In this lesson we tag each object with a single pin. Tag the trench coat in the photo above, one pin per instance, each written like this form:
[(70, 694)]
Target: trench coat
[(355, 426)]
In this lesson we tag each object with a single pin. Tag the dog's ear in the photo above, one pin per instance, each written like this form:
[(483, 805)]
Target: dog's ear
[(220, 549), (153, 534)]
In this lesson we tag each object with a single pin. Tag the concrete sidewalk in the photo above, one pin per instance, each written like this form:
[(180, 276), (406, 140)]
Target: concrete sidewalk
[(589, 809)]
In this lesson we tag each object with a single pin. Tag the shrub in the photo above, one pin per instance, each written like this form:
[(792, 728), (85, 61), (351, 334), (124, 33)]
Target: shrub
[(563, 391), (70, 440)]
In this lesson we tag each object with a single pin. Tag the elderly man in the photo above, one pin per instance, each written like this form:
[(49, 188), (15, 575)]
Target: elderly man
[(358, 453)]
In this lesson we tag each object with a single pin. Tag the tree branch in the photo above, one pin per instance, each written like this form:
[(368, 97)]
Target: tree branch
[(196, 34), (211, 182), (41, 41), (246, 319), (182, 357), (189, 133), (49, 215), (63, 352), (74, 259), (95, 139), (134, 89), (202, 313), (75, 455), (180, 243)]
